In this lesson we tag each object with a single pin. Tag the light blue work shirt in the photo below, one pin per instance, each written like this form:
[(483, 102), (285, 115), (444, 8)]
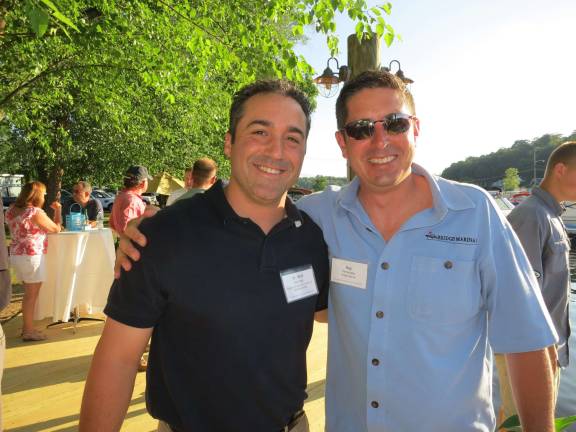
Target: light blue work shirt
[(412, 350)]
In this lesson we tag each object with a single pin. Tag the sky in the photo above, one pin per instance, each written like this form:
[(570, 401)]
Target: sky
[(487, 73)]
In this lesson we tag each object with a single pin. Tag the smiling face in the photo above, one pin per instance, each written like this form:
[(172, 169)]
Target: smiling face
[(383, 160), (267, 150)]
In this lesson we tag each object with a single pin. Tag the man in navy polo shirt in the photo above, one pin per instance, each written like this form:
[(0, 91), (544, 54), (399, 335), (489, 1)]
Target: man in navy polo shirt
[(227, 288)]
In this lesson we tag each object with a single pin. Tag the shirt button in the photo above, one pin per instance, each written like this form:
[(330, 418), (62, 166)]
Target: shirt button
[(374, 404), (385, 266), (379, 314), (448, 265), (375, 362)]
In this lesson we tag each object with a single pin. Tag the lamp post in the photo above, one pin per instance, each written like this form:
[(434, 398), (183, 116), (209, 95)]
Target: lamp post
[(534, 167), (329, 82)]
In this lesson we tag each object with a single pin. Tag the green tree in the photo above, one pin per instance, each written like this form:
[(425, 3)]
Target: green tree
[(320, 183), (487, 169), (511, 179), (116, 82)]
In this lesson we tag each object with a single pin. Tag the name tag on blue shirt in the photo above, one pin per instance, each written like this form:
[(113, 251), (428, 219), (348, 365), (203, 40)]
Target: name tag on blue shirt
[(349, 273), (299, 283)]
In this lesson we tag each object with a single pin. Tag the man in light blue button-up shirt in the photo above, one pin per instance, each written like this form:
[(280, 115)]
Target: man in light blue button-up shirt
[(427, 281)]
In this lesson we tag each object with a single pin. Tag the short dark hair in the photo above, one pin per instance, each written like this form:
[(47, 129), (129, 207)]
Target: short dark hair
[(565, 153), (371, 79), (281, 87)]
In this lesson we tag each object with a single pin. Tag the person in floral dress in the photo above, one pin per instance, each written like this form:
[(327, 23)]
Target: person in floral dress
[(29, 225)]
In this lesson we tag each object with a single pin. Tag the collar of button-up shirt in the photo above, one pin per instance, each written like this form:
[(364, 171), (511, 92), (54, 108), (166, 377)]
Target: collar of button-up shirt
[(444, 199), (549, 200)]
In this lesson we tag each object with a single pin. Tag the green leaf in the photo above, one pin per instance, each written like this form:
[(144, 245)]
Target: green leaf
[(359, 30), (389, 38), (38, 20), (58, 15), (563, 422), (298, 30), (387, 7)]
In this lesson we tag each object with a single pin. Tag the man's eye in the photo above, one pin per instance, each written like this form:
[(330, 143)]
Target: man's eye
[(294, 139), (259, 132)]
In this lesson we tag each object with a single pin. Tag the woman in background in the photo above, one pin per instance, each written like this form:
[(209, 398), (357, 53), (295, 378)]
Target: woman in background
[(29, 225)]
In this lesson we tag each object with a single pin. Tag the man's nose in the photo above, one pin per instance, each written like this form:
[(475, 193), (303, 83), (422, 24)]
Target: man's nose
[(381, 137), (275, 147)]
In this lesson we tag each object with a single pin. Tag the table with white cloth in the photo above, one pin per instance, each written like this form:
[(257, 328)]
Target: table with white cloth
[(79, 273)]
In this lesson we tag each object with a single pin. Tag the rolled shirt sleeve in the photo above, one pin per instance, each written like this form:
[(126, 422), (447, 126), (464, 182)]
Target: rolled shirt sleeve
[(518, 320), (532, 237)]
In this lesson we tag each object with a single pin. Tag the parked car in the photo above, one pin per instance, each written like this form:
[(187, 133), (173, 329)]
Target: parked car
[(517, 198), (150, 198), (503, 203), (295, 193), (105, 198), (10, 187)]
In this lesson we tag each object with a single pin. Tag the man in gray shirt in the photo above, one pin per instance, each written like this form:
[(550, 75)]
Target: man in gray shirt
[(538, 223)]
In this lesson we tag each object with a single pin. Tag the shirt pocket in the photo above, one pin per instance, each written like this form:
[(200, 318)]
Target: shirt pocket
[(560, 255), (443, 291)]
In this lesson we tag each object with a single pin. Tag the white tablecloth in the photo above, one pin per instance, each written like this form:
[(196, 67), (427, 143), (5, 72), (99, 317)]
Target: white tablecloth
[(79, 272)]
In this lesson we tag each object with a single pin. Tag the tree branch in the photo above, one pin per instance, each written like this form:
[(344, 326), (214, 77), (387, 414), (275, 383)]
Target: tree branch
[(181, 15)]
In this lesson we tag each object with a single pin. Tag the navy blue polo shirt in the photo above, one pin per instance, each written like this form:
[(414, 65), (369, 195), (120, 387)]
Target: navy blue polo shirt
[(228, 351)]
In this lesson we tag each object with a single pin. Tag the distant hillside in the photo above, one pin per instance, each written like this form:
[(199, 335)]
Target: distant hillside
[(487, 169)]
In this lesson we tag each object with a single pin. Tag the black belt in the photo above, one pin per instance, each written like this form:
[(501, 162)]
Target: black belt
[(291, 423)]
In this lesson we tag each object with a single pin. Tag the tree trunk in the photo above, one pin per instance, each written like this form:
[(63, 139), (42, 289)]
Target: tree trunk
[(53, 186)]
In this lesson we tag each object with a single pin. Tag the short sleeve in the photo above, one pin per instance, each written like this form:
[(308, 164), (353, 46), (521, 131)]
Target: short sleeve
[(518, 320), (323, 283), (137, 298), (95, 210), (529, 231)]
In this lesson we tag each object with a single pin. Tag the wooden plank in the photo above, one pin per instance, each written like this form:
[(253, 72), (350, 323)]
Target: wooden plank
[(44, 381)]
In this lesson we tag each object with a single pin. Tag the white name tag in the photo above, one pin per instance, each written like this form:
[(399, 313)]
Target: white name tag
[(299, 283), (349, 273)]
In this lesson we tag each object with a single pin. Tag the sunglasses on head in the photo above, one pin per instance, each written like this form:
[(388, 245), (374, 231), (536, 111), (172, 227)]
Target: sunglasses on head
[(393, 124)]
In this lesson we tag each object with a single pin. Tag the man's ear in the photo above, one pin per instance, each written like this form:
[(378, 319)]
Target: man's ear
[(341, 140), (560, 169), (228, 145)]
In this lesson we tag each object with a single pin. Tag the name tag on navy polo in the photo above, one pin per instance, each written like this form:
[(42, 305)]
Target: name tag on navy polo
[(299, 283)]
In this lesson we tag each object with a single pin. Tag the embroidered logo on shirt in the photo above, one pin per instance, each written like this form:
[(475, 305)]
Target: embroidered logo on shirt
[(459, 239)]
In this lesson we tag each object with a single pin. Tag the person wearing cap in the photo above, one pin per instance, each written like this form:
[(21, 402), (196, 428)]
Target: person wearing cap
[(81, 196), (129, 203), (228, 287)]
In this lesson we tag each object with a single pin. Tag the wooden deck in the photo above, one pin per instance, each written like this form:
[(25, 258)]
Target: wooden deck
[(43, 381)]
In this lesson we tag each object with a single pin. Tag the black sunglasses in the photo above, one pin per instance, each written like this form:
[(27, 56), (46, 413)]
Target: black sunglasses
[(393, 124)]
